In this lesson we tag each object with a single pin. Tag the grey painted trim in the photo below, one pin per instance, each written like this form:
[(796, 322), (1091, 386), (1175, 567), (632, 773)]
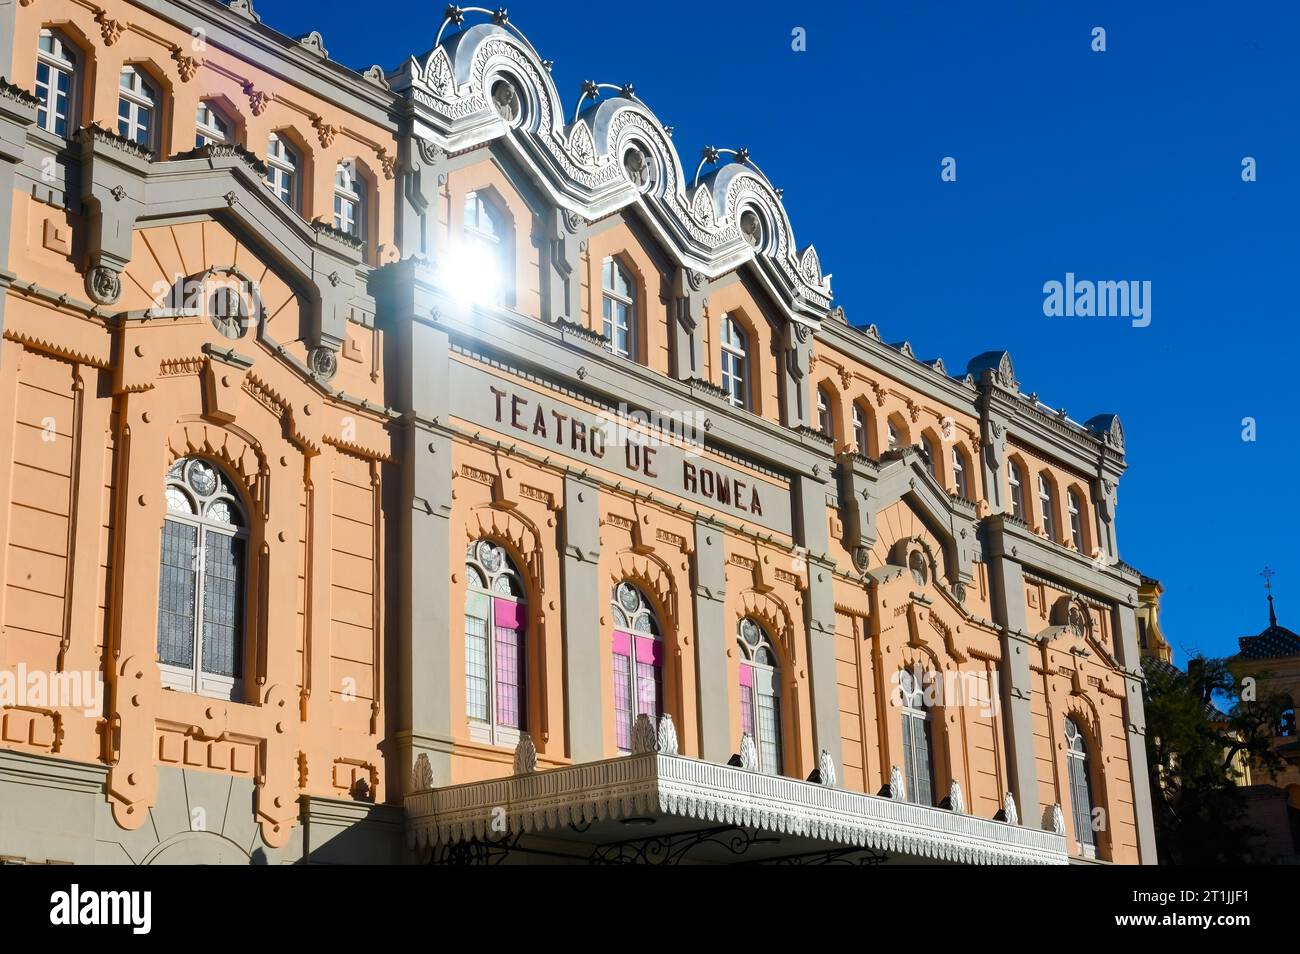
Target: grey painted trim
[(712, 640), (1135, 730), (281, 56), (342, 831), (1007, 537), (1007, 587), (819, 621), (582, 607)]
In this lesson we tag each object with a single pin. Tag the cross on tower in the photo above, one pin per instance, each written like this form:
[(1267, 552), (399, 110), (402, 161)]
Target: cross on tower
[(1268, 574)]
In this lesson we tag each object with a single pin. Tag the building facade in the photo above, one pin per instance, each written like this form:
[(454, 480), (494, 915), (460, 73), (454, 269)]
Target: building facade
[(406, 465)]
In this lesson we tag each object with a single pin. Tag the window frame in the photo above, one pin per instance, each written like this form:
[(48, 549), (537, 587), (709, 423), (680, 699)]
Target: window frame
[(1016, 487), (209, 133), (861, 434), (771, 751), (351, 193), (733, 343), (611, 300), (1074, 506), (638, 639), (1078, 758), (193, 679), (825, 418), (492, 730), (917, 722), (69, 67), (138, 104), (281, 166), (960, 477), (1047, 504)]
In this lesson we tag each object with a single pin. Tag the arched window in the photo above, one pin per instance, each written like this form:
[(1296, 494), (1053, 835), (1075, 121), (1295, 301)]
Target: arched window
[(201, 591), (1076, 520), (282, 166), (959, 479), (57, 82), (1047, 503), (638, 662), (349, 199), (735, 362), (487, 239), (825, 423), (860, 434), (1076, 755), (760, 695), (918, 767), (495, 622), (211, 128), (618, 308), (138, 101), (895, 435), (1017, 483), (931, 455)]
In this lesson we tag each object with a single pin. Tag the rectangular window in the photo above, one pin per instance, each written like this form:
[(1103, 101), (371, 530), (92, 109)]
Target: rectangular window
[(476, 654), (222, 604), (623, 700), (176, 597)]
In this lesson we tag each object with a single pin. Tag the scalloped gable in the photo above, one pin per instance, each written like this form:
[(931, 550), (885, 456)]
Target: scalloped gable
[(581, 160)]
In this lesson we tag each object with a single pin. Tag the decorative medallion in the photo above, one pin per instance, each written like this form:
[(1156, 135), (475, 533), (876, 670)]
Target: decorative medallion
[(103, 285), (324, 363)]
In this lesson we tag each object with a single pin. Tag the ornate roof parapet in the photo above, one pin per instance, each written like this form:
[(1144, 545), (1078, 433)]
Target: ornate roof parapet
[(1108, 429), (243, 9), (485, 82), (994, 367), (95, 133), (223, 151), (15, 96), (324, 229)]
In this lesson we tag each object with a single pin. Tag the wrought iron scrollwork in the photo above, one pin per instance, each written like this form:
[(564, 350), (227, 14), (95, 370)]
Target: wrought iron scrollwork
[(672, 849)]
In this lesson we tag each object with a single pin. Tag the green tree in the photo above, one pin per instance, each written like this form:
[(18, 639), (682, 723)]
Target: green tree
[(1195, 750)]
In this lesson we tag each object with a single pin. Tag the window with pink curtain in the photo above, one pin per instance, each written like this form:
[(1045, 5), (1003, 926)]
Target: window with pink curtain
[(638, 663), (495, 658), (760, 695)]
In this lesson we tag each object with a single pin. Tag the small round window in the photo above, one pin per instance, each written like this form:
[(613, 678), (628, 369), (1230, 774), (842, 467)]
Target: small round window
[(639, 168), (507, 102), (751, 226)]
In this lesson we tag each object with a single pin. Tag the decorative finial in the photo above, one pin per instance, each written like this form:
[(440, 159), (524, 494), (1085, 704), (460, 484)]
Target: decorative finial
[(455, 14), (742, 154), (591, 88), (1268, 574), (627, 91), (548, 65), (710, 154), (501, 17)]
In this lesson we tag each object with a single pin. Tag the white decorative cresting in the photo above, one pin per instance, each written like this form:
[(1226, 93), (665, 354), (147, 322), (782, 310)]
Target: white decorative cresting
[(667, 735), (896, 783), (748, 753), (644, 737), (421, 773), (525, 755), (683, 788), (826, 770)]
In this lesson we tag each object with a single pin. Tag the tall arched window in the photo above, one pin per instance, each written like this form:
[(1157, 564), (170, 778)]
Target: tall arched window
[(201, 591), (57, 81), (1047, 503), (735, 362), (138, 102), (1076, 519), (618, 308), (638, 662), (825, 423), (211, 128), (1016, 481), (895, 435), (282, 165), (349, 199), (918, 767), (487, 255), (1076, 755), (931, 455), (959, 477), (495, 622), (760, 695), (861, 436)]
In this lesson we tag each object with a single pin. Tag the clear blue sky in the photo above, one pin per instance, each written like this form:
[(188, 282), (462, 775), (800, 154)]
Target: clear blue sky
[(1117, 165)]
